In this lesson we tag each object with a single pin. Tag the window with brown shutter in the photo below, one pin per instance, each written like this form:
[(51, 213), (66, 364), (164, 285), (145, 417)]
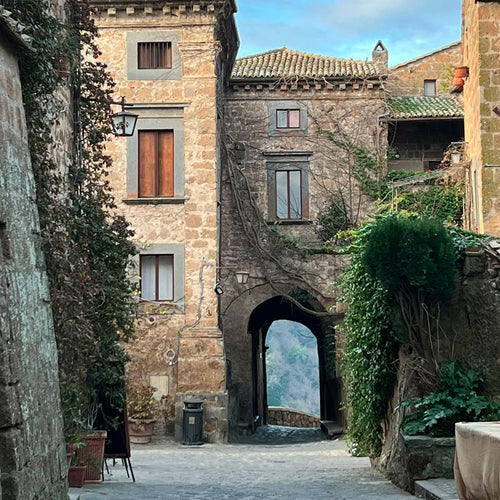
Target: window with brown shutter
[(156, 163), (154, 55)]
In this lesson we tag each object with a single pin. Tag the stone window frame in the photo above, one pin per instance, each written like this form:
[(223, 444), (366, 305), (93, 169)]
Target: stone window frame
[(133, 71), (274, 106), (276, 161), (159, 122), (179, 255)]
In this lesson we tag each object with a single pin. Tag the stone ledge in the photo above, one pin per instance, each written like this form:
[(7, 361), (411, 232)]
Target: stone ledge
[(436, 489)]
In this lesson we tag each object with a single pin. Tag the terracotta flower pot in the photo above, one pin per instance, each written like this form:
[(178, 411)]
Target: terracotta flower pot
[(92, 454), (76, 476), (460, 74), (140, 430)]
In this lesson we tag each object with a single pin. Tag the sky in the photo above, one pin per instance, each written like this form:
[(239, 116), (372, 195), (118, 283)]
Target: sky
[(348, 28)]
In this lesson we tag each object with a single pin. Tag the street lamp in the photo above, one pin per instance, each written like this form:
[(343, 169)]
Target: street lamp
[(242, 277), (123, 121)]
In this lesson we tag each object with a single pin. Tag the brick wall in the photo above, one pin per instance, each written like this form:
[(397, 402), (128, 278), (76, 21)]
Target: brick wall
[(32, 453)]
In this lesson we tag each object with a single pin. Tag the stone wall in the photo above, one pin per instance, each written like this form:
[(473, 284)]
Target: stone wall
[(179, 344), (291, 418), (481, 39), (32, 456), (280, 256), (408, 78)]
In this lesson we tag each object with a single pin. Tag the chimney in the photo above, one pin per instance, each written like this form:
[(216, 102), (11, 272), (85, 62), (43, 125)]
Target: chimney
[(380, 56)]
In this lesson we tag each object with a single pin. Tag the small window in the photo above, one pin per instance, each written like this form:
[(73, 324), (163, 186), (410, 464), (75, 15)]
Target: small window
[(156, 163), (157, 277), (154, 55), (288, 192), (429, 87), (288, 118)]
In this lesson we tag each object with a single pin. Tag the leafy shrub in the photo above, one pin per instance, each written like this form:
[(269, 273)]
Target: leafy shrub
[(370, 352), (411, 252), (458, 399)]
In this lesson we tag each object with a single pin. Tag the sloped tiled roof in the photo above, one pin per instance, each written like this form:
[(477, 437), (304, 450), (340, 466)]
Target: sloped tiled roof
[(425, 107), (282, 63)]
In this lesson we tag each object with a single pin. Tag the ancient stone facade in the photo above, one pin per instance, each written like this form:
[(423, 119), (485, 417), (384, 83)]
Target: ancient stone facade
[(271, 235), (423, 117), (408, 78), (481, 40), (179, 346), (32, 453)]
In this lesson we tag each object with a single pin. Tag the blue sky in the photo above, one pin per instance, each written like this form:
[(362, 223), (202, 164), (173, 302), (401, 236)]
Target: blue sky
[(348, 28)]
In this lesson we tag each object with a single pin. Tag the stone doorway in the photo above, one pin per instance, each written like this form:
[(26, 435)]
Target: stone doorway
[(261, 319)]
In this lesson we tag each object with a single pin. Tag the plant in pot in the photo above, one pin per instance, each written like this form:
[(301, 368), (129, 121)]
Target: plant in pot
[(143, 411)]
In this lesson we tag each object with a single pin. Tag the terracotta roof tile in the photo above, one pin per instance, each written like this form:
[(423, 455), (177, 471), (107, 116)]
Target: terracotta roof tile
[(282, 63), (425, 107)]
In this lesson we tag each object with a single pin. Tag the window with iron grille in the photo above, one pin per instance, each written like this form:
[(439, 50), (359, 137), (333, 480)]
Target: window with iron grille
[(157, 277), (154, 55)]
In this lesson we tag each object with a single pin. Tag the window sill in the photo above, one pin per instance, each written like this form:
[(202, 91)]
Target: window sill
[(154, 201), (289, 222)]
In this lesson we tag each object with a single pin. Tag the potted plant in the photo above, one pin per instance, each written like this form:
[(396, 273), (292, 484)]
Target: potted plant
[(76, 471), (143, 411)]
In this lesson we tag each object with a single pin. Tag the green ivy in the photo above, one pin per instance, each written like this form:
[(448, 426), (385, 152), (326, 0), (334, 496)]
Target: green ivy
[(86, 244), (370, 352)]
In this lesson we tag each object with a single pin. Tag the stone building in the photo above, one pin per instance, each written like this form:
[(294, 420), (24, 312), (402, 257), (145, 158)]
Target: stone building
[(424, 117), (480, 39), (172, 60), (224, 179), (32, 453), (294, 124)]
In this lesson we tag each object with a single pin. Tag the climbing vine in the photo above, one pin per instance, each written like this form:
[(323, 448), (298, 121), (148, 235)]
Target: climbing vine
[(370, 352), (402, 271), (86, 244)]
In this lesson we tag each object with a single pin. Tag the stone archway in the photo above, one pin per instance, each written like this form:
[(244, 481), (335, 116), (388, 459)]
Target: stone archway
[(261, 318)]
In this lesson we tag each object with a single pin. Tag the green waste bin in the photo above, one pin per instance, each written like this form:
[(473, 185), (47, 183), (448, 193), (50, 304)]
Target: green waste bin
[(192, 422)]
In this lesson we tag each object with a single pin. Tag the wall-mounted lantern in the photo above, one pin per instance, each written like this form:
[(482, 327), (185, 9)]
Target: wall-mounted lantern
[(123, 121), (242, 277)]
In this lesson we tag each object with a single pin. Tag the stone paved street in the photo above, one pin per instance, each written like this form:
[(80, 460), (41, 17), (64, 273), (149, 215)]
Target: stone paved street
[(319, 469)]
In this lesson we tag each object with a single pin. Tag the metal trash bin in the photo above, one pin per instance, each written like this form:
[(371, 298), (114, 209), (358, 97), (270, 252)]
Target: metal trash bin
[(192, 422)]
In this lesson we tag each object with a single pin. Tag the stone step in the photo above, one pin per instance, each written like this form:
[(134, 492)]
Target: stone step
[(331, 428), (436, 489)]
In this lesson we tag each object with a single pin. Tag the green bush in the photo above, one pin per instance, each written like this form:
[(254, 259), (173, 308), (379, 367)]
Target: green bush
[(458, 399), (415, 253)]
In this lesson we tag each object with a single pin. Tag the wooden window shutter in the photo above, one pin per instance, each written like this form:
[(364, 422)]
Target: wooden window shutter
[(156, 163), (166, 163), (147, 164)]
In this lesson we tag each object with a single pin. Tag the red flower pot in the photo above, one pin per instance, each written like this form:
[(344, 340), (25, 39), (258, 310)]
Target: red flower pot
[(76, 476)]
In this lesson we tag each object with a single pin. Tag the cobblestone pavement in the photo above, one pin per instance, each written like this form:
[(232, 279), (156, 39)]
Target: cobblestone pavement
[(259, 469)]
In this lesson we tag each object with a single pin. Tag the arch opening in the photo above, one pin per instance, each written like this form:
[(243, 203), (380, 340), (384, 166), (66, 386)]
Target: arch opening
[(321, 328), (292, 370)]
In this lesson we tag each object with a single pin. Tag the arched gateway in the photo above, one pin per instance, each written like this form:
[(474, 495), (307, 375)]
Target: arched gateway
[(246, 325)]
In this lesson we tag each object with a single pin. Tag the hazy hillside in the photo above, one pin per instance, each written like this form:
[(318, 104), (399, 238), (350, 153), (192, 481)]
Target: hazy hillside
[(292, 367)]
